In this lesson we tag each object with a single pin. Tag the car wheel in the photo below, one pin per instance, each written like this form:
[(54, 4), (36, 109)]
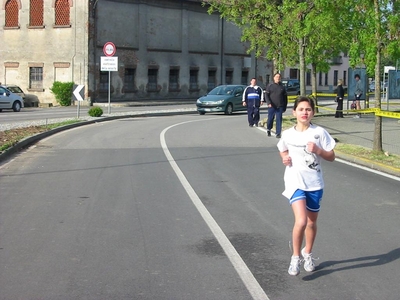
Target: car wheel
[(229, 109), (16, 106), (202, 113)]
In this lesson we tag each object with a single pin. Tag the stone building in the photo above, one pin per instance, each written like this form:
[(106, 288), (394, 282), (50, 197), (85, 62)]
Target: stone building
[(165, 49), (43, 42)]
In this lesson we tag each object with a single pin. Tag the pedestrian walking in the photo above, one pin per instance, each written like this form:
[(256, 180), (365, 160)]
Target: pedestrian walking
[(302, 147), (358, 93), (253, 98), (339, 99), (276, 98)]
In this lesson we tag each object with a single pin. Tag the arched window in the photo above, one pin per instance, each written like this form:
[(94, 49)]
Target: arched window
[(62, 13), (11, 11), (36, 13)]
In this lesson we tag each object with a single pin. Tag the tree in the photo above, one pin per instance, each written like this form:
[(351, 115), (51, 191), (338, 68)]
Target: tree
[(285, 31), (291, 32), (375, 35)]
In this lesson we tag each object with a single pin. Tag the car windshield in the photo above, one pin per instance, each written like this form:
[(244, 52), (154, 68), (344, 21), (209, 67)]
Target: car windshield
[(14, 89), (221, 90)]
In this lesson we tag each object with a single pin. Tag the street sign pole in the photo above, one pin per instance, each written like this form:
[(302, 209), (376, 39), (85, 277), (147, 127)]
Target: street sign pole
[(78, 93), (109, 50), (109, 96)]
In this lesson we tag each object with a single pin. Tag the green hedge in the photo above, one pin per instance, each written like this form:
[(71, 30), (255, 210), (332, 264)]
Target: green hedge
[(95, 111), (62, 92)]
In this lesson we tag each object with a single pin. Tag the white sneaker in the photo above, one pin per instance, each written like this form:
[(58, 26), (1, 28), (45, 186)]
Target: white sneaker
[(308, 261), (294, 268), (356, 117)]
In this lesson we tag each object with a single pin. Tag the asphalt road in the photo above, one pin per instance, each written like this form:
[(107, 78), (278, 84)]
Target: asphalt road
[(184, 207)]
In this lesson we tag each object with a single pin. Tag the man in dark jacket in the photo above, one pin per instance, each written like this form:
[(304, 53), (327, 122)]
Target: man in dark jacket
[(276, 98), (253, 98)]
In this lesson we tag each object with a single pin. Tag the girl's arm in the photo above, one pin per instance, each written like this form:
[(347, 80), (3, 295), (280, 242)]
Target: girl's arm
[(327, 155), (286, 159)]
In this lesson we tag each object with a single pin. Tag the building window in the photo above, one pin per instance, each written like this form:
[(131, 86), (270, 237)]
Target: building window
[(194, 75), (320, 78), (62, 11), (326, 79), (211, 79), (228, 77), (335, 77), (293, 73), (36, 78), (152, 75), (174, 79), (36, 13), (129, 80), (308, 77), (245, 77), (11, 14), (344, 77)]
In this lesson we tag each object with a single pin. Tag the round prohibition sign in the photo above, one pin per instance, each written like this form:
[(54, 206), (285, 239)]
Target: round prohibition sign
[(109, 49)]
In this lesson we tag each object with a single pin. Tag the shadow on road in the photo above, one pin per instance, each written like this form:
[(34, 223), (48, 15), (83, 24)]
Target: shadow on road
[(360, 262)]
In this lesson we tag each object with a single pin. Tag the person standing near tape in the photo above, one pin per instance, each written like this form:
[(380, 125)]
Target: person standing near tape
[(253, 98), (358, 94), (339, 99)]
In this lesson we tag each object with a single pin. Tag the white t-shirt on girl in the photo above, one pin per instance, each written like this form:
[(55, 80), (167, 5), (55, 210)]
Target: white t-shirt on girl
[(305, 173)]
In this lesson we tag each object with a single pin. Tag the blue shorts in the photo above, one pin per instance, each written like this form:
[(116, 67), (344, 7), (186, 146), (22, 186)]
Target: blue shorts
[(313, 199)]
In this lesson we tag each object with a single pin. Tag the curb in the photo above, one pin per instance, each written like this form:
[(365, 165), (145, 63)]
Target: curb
[(368, 163)]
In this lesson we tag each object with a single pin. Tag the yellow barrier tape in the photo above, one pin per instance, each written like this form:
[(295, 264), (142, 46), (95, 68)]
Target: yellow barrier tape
[(376, 111), (388, 114), (324, 107)]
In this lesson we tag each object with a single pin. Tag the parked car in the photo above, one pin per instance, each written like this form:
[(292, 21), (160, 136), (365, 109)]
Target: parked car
[(223, 98), (292, 86), (9, 100), (372, 86), (15, 89)]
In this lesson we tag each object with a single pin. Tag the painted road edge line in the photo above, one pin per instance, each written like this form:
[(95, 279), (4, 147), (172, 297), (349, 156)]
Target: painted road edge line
[(240, 266)]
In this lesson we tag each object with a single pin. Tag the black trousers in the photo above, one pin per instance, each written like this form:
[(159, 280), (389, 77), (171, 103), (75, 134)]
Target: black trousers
[(339, 109)]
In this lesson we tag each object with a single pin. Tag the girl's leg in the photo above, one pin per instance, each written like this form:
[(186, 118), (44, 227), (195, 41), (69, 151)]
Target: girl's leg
[(310, 230), (300, 223), (358, 106)]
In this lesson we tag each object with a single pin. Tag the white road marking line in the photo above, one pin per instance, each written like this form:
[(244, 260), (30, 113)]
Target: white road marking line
[(240, 266), (367, 169)]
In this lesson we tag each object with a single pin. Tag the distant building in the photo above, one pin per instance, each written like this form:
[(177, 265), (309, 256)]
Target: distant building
[(166, 49), (326, 82), (43, 41)]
